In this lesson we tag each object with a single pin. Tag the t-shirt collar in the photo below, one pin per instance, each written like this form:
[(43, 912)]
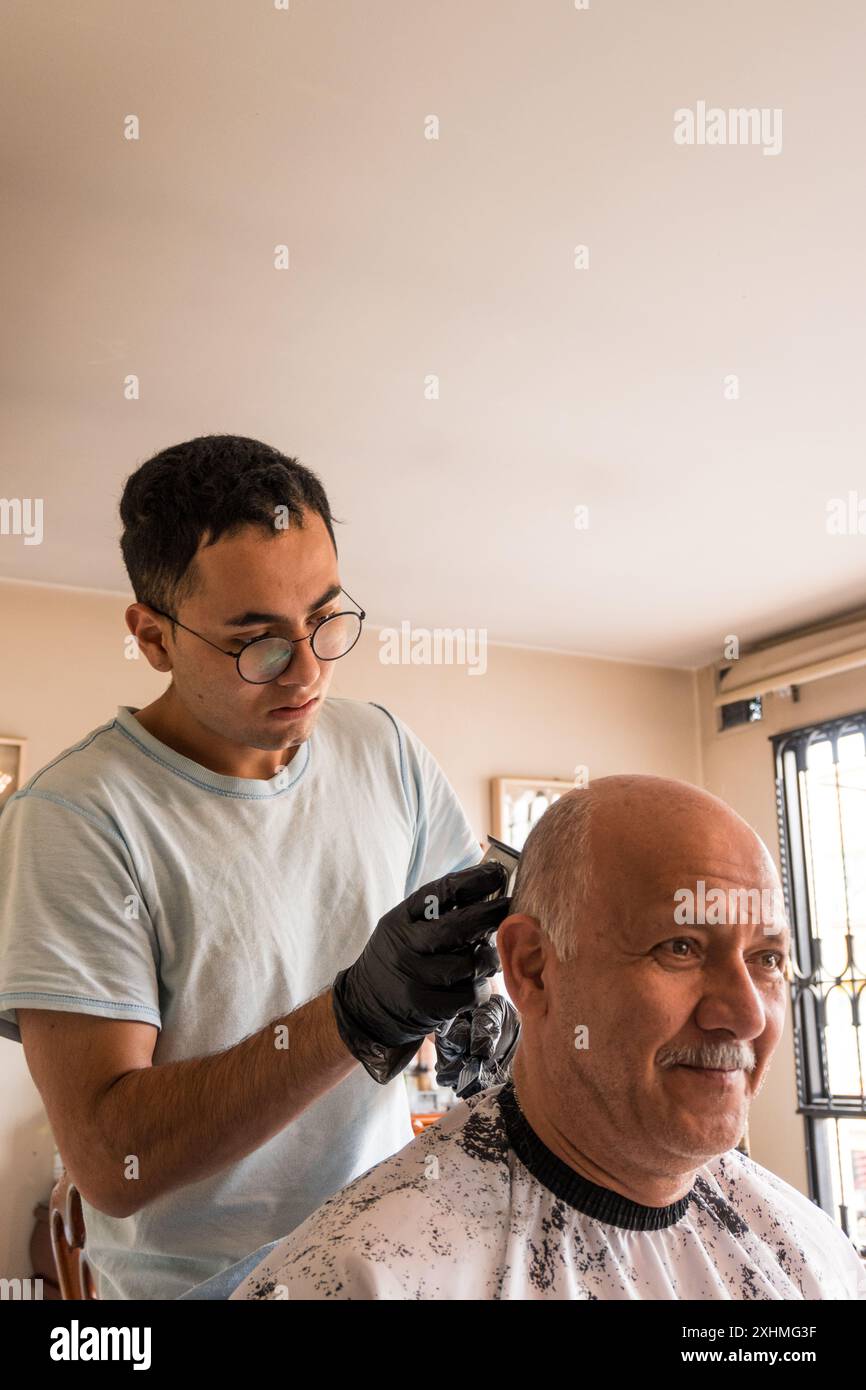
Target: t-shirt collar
[(250, 788)]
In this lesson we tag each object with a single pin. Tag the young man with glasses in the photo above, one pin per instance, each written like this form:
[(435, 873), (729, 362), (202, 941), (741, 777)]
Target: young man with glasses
[(199, 941)]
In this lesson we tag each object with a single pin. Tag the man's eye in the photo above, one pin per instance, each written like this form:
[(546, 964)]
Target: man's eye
[(322, 618), (777, 956), (780, 959), (678, 941), (240, 642)]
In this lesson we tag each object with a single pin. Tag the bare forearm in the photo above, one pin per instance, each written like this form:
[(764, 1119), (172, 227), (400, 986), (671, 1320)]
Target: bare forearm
[(184, 1121)]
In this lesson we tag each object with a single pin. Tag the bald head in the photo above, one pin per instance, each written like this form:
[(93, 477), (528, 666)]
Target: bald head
[(624, 840)]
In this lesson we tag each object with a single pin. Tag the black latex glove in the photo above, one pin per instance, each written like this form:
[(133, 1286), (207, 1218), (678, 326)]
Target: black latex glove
[(475, 1049), (418, 971)]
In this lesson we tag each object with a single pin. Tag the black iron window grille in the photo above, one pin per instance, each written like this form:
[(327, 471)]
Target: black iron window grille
[(821, 808)]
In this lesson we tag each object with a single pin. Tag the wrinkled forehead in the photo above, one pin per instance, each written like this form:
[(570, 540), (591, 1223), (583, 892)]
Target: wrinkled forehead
[(661, 871), (752, 906)]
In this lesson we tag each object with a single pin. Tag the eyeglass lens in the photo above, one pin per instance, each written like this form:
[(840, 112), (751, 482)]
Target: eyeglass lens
[(266, 659)]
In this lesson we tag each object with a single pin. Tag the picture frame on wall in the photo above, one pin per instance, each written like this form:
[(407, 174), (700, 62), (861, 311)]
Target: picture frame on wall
[(12, 764)]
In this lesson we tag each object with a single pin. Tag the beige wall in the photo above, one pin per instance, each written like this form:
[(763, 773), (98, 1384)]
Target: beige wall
[(533, 713), (738, 767)]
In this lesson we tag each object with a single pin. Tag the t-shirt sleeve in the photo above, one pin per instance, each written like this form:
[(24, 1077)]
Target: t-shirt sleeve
[(444, 841), (75, 933)]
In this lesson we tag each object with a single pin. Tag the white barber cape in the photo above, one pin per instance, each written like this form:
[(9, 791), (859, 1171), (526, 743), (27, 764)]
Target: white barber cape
[(478, 1208)]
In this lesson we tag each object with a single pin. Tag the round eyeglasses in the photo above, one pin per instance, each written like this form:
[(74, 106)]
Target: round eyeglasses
[(265, 658)]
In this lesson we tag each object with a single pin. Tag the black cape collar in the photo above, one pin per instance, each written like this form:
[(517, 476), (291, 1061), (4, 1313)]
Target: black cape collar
[(585, 1196)]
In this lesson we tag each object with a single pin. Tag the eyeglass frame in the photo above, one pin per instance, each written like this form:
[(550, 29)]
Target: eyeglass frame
[(269, 637)]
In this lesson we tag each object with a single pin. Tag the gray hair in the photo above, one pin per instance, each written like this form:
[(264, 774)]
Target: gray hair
[(554, 876)]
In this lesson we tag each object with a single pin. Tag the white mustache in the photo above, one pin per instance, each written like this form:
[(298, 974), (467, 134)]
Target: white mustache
[(723, 1055)]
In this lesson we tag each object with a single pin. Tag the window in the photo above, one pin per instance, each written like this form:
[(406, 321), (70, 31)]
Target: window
[(821, 806)]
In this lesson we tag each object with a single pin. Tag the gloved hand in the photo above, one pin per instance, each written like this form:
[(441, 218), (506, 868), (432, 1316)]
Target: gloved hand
[(475, 1049), (425, 962)]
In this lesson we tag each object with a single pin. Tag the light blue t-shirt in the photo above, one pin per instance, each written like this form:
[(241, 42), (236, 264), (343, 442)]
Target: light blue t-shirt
[(137, 884)]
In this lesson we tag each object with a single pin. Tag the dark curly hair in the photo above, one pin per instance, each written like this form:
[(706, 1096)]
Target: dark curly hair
[(210, 486)]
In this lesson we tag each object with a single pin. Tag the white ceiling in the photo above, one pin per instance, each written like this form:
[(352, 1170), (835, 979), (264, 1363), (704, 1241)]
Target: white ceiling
[(558, 387)]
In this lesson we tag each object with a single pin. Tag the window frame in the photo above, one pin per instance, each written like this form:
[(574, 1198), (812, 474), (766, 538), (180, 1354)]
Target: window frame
[(816, 1101)]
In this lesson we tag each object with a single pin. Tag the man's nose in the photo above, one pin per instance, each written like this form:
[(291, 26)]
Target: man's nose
[(731, 1000), (303, 669)]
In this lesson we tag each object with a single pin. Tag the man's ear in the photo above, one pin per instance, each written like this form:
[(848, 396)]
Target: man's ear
[(525, 952), (145, 628)]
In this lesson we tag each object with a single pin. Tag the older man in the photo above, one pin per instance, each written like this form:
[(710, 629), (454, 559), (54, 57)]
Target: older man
[(607, 1167)]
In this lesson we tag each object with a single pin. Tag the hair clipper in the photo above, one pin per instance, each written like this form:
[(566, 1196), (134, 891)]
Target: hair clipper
[(468, 1081)]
